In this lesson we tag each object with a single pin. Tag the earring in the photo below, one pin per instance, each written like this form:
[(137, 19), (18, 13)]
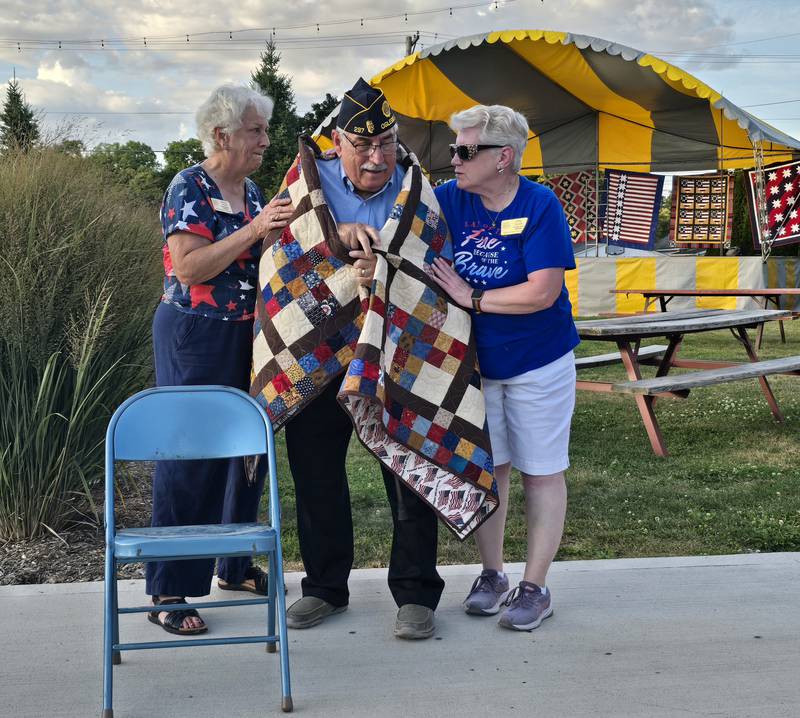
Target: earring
[(500, 170)]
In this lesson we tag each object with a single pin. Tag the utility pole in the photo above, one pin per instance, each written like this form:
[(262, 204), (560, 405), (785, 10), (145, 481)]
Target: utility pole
[(411, 42)]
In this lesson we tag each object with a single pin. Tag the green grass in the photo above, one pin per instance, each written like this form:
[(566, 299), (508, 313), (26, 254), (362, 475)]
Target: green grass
[(730, 484)]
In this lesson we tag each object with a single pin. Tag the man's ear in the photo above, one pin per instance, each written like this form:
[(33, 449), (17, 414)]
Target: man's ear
[(336, 138)]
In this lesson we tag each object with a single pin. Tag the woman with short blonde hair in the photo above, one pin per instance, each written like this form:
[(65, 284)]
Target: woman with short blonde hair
[(511, 247)]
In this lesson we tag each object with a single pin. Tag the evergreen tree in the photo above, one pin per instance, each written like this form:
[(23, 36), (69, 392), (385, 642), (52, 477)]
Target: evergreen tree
[(319, 111), (19, 128), (284, 126)]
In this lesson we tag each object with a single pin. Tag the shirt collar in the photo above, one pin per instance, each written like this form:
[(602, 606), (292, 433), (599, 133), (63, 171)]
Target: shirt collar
[(351, 187)]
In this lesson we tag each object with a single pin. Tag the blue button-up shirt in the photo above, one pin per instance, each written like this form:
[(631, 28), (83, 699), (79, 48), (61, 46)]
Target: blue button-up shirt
[(347, 205)]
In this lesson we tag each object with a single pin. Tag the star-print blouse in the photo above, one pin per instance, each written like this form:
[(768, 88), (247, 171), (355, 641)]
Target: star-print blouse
[(188, 207)]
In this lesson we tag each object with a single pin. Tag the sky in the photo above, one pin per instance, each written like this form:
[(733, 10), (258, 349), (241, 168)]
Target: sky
[(138, 69)]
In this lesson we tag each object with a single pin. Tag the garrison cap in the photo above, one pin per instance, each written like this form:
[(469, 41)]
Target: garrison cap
[(365, 111)]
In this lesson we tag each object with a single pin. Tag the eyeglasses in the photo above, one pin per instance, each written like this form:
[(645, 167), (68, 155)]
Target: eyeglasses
[(365, 149), (467, 152)]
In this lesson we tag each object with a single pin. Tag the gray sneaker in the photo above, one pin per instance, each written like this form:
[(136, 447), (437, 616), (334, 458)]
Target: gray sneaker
[(414, 622), (309, 611), (486, 594), (527, 606)]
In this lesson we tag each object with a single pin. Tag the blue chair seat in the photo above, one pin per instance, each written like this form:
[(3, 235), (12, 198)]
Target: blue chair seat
[(161, 542)]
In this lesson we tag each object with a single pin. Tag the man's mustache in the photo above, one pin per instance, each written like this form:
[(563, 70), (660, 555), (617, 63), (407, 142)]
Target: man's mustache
[(373, 167)]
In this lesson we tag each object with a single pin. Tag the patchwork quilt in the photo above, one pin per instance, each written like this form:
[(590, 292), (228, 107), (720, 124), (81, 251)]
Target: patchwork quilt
[(782, 196), (701, 216), (402, 352), (577, 192)]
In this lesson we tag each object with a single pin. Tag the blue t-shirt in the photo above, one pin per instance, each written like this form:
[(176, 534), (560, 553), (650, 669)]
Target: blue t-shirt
[(512, 344), (188, 207)]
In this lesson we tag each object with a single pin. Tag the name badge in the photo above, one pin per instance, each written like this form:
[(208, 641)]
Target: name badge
[(513, 226), (221, 205)]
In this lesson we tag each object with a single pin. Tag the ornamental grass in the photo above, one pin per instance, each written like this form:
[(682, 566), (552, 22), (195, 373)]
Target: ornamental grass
[(79, 279)]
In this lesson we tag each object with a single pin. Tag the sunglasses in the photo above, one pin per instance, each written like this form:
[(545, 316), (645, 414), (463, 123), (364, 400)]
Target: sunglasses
[(467, 152)]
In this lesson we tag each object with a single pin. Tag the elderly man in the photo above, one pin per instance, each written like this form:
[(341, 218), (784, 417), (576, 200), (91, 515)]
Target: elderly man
[(360, 186)]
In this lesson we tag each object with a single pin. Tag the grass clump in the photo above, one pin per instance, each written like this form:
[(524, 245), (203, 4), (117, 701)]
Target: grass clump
[(79, 278)]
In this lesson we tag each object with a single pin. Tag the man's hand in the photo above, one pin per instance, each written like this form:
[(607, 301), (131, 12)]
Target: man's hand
[(360, 238)]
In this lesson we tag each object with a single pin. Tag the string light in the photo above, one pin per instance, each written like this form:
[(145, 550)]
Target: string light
[(161, 40)]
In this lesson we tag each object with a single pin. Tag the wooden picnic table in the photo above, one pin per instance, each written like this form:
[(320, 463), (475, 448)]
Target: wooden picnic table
[(629, 331), (769, 295)]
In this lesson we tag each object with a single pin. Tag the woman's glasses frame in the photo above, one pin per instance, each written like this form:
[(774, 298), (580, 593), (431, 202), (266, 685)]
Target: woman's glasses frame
[(467, 152)]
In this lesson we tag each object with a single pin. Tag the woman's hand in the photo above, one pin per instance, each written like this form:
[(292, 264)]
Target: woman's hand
[(275, 215), (446, 277)]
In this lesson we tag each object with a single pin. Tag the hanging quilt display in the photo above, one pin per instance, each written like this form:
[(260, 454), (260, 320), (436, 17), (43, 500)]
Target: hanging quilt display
[(701, 216), (577, 193), (781, 190), (630, 212)]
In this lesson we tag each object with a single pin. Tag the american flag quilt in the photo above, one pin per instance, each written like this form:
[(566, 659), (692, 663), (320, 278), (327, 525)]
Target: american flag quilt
[(403, 352), (701, 216), (577, 193), (782, 189), (630, 212)]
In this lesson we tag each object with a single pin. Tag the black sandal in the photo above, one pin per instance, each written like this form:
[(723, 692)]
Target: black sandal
[(260, 581), (174, 621)]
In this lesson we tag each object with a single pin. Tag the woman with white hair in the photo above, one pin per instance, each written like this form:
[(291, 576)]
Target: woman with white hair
[(213, 220), (512, 245)]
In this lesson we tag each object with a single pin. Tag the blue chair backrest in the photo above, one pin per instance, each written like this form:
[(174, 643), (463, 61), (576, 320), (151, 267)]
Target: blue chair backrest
[(188, 422)]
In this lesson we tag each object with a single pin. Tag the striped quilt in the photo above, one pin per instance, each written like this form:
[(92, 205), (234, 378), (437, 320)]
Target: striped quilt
[(403, 354), (630, 212)]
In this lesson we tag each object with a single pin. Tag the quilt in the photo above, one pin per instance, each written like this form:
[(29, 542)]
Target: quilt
[(577, 193), (402, 352), (630, 213), (701, 216), (782, 190)]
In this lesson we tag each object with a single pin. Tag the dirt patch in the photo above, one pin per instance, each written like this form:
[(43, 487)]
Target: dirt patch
[(78, 553)]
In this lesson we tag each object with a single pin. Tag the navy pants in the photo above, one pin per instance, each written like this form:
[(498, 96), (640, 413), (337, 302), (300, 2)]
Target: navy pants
[(316, 443), (191, 350)]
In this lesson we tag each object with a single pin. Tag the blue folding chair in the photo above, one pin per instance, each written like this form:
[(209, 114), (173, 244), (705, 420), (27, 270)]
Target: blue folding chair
[(151, 426)]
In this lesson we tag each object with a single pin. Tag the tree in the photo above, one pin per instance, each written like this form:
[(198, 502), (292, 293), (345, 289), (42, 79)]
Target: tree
[(284, 126), (19, 128), (319, 111), (132, 164), (179, 155), (71, 148)]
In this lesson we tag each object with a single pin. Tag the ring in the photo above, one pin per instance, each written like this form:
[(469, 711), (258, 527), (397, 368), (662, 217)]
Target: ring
[(363, 272)]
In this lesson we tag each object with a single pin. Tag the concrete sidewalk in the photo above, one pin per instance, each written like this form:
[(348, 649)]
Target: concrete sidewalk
[(657, 638)]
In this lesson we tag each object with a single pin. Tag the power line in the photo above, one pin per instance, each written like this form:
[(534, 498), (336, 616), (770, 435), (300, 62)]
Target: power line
[(766, 104), (143, 40)]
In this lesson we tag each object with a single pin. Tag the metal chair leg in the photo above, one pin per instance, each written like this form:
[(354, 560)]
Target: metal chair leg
[(271, 647), (108, 634), (286, 688)]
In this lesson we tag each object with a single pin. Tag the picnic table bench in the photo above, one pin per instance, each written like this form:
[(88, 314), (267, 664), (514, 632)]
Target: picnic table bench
[(629, 331)]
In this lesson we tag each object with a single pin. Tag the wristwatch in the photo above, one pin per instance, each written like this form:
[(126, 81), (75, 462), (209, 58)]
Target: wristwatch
[(477, 295)]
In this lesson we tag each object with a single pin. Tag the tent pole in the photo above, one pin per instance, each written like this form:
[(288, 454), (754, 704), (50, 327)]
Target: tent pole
[(761, 201), (597, 185), (720, 164)]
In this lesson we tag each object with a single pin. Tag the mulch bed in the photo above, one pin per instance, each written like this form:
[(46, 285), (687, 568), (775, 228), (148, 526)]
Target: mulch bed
[(78, 553)]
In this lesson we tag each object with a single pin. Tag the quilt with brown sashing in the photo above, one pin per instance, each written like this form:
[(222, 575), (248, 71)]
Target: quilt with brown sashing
[(403, 352)]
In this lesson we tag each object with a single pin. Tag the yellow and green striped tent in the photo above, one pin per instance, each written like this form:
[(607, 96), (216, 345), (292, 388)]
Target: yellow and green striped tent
[(589, 102)]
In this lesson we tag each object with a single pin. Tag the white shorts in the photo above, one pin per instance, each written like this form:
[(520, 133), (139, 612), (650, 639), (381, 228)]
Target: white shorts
[(529, 417)]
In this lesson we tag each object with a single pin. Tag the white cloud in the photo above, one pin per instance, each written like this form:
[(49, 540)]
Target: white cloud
[(172, 77)]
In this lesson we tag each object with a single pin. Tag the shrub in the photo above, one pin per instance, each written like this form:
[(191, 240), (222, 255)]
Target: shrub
[(79, 278)]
